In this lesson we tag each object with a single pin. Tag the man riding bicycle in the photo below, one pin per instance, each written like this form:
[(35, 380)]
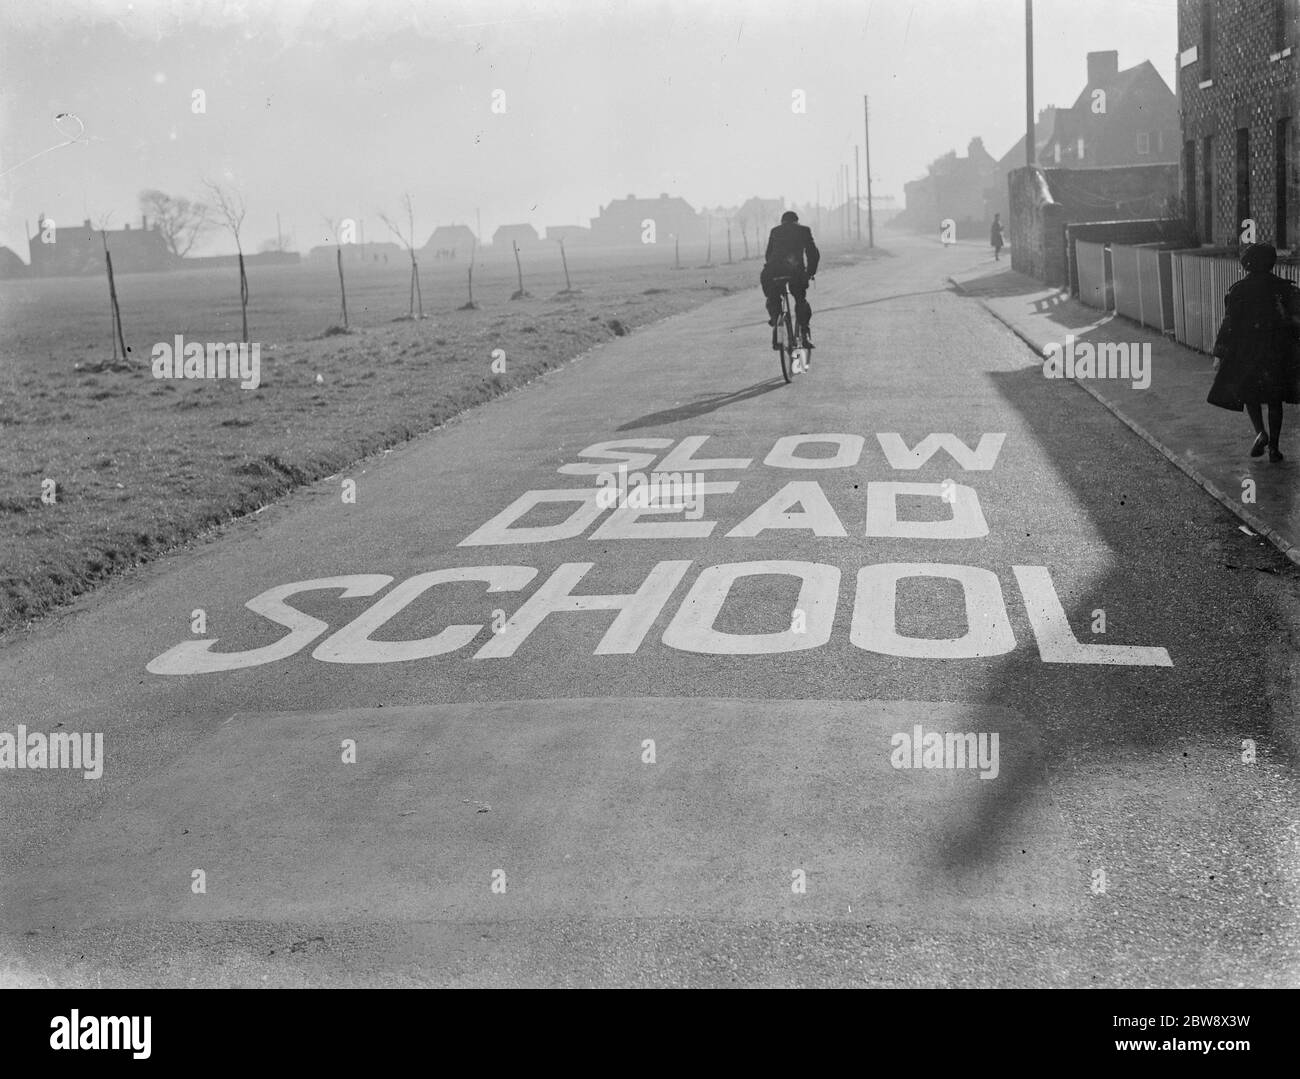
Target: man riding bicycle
[(787, 246)]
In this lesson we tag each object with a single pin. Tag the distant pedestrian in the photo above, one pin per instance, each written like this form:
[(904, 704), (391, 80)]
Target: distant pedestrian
[(995, 237), (1256, 346)]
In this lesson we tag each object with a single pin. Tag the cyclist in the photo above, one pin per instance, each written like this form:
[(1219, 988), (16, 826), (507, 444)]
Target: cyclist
[(787, 246)]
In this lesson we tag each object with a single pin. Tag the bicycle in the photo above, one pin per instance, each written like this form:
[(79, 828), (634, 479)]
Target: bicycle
[(794, 348)]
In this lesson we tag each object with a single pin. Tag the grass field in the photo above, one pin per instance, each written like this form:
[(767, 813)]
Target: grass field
[(139, 465)]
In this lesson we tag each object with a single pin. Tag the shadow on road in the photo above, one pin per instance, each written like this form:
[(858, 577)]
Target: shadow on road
[(880, 299), (703, 405), (1187, 587), (847, 306)]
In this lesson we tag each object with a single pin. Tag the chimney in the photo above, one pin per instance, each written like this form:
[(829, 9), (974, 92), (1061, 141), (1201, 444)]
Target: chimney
[(87, 224), (1102, 67), (144, 222)]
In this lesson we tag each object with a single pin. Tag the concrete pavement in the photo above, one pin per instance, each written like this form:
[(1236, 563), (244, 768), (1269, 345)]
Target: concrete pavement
[(1207, 443)]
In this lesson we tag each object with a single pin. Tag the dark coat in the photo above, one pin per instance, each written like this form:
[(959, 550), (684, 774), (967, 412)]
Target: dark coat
[(1257, 344), (787, 247), (995, 234)]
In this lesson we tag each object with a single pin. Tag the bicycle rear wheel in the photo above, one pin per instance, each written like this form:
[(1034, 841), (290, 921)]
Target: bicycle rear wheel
[(787, 345)]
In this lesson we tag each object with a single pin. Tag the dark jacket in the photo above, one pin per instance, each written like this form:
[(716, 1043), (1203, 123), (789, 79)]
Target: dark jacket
[(787, 245), (1257, 344)]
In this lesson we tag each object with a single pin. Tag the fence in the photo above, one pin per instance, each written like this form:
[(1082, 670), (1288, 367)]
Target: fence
[(1142, 284), (1090, 269), (1176, 292)]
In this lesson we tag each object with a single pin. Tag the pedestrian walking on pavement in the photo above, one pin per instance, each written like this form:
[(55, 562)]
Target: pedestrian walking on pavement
[(1257, 348), (995, 237)]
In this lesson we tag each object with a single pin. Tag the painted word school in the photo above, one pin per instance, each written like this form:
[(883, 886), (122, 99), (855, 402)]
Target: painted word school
[(801, 506)]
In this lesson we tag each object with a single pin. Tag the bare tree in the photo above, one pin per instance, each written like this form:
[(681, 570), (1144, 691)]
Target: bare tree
[(179, 221), (230, 209), (408, 241)]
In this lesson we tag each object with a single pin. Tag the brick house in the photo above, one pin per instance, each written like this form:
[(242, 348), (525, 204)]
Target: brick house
[(508, 235), (954, 187), (1239, 87), (620, 223), (450, 242), (1119, 118), (79, 249)]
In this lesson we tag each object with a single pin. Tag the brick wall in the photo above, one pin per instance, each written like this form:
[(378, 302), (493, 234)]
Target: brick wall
[(1045, 201), (1033, 218), (1248, 89)]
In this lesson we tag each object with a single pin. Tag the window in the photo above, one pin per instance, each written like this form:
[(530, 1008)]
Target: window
[(1207, 189), (1283, 13), (1288, 206), (1207, 40), (1056, 153), (1144, 142), (1080, 148), (1243, 177), (1160, 142), (1189, 182)]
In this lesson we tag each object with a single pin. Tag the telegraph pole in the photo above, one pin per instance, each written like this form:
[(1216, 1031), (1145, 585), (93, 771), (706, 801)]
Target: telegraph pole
[(848, 227), (866, 147), (1030, 148)]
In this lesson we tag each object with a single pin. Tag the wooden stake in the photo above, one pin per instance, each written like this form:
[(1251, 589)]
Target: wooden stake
[(342, 287), (243, 295)]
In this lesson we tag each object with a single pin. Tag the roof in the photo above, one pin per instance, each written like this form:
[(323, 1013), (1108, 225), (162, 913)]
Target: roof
[(632, 203), (1124, 83), (457, 233), (10, 262)]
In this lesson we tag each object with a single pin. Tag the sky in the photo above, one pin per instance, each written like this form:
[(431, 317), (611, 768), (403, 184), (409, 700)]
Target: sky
[(339, 108)]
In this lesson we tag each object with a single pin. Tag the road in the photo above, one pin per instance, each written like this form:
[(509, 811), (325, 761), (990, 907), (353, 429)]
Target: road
[(706, 777)]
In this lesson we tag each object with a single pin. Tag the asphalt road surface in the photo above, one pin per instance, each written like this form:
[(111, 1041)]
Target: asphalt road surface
[(406, 746)]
